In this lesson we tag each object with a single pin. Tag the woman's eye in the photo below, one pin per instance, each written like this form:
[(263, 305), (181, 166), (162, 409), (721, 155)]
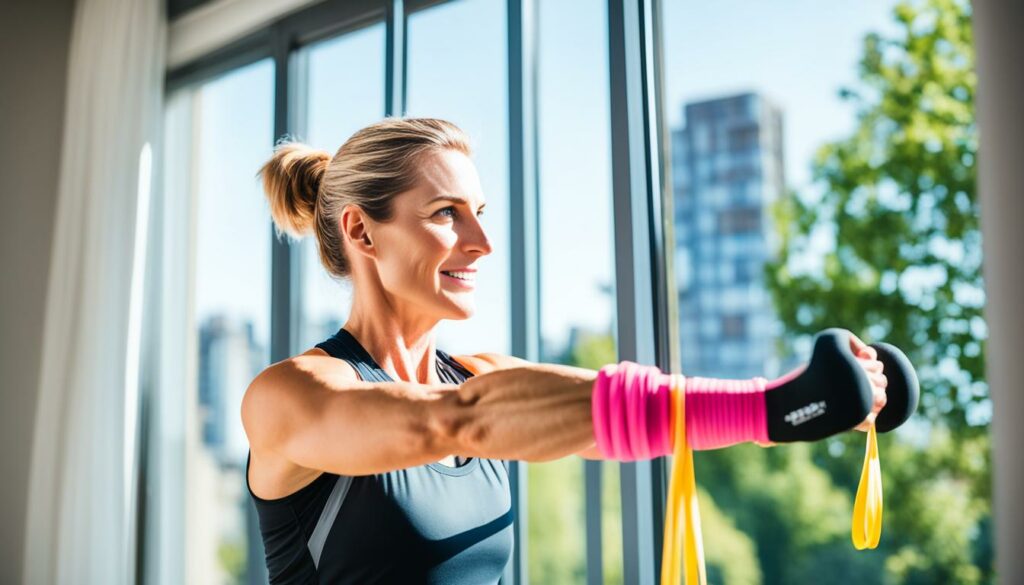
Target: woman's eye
[(452, 209)]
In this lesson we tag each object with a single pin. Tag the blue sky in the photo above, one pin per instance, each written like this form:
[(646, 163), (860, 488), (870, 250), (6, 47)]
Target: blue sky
[(796, 52)]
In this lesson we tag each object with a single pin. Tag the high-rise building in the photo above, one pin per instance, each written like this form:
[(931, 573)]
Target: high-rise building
[(727, 169), (229, 358)]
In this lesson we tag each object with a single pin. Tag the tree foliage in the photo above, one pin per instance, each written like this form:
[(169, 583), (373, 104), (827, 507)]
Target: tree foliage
[(900, 200)]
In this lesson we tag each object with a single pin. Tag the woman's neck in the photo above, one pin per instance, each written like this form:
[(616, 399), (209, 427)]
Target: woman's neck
[(404, 348)]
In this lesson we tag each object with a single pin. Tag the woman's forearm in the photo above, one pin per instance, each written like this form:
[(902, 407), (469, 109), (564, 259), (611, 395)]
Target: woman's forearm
[(538, 412)]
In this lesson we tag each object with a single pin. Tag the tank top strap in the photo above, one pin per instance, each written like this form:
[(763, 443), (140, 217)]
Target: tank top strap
[(343, 345), (451, 371)]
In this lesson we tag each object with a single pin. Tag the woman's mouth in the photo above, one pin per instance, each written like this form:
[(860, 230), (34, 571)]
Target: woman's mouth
[(465, 280)]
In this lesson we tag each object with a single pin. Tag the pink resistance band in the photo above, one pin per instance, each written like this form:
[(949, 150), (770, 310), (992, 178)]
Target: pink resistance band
[(720, 413), (632, 410)]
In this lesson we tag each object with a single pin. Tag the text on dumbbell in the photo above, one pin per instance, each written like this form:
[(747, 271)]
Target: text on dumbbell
[(805, 413)]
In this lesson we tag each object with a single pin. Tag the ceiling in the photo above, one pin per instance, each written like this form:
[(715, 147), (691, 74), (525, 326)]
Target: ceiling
[(176, 8)]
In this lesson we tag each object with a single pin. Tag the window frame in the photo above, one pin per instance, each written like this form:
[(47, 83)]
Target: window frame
[(646, 313)]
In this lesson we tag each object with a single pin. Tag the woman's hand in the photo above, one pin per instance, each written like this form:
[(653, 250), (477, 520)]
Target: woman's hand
[(868, 359)]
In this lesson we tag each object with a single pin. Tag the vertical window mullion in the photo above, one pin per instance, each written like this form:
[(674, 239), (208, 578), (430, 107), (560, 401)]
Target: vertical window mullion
[(282, 275), (639, 258), (395, 59), (524, 238)]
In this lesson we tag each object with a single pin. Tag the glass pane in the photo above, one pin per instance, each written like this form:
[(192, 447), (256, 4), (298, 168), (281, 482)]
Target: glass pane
[(233, 124), (457, 71), (577, 273), (345, 92), (799, 206), (611, 521)]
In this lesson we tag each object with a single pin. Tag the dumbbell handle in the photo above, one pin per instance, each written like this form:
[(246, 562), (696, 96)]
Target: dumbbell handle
[(834, 394)]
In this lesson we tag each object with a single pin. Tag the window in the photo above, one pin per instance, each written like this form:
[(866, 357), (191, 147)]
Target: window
[(753, 93), (200, 527), (447, 79), (219, 132), (577, 293), (739, 219), (344, 92), (733, 326)]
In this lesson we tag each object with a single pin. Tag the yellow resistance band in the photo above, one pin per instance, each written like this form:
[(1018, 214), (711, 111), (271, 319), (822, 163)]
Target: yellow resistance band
[(682, 516), (867, 508)]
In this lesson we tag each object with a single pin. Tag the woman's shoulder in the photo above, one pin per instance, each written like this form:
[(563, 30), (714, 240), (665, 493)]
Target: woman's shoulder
[(481, 363), (292, 373), (317, 358)]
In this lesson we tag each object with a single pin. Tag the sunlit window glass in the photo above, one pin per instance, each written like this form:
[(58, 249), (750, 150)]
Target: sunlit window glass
[(823, 176), (344, 92), (233, 122), (457, 71), (577, 274)]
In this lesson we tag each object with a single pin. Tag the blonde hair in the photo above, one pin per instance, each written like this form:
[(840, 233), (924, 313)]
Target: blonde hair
[(307, 189)]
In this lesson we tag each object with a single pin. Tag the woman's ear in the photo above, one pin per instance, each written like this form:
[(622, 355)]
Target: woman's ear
[(354, 228)]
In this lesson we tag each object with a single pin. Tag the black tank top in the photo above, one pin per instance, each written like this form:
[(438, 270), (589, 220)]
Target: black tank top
[(427, 524)]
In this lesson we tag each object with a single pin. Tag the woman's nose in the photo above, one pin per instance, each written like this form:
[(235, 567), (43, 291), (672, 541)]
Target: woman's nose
[(475, 239)]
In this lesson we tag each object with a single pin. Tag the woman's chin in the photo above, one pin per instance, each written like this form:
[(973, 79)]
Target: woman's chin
[(461, 311)]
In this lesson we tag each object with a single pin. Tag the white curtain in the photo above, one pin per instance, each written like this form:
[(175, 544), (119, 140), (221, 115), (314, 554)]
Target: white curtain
[(81, 496)]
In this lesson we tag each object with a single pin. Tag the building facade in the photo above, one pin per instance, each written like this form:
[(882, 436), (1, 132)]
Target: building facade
[(727, 170)]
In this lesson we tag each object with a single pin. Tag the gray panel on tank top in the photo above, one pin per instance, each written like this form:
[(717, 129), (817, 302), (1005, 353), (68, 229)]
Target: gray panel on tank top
[(327, 516)]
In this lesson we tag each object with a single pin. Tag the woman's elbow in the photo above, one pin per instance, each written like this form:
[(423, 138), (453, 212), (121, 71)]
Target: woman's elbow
[(451, 426)]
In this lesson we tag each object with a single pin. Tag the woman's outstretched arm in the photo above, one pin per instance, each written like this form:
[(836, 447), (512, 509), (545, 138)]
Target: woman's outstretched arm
[(315, 415), (487, 362), (531, 412)]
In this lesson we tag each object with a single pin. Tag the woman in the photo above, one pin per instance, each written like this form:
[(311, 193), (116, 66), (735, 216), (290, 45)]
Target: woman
[(376, 456)]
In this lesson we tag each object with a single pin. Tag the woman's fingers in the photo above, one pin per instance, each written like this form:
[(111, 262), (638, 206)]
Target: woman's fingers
[(871, 366), (864, 426), (879, 395), (869, 352), (867, 357), (876, 407), (878, 384), (857, 345)]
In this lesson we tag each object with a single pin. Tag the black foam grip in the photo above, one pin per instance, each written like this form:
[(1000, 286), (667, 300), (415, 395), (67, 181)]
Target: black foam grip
[(902, 392), (833, 394)]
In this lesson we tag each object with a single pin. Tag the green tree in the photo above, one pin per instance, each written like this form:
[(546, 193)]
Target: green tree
[(557, 519), (899, 197), (785, 504)]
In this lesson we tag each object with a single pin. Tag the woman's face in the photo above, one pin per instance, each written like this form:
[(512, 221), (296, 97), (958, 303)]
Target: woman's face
[(428, 255)]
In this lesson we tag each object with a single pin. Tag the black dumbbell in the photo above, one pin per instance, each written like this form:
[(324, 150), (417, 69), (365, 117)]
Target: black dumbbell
[(902, 392), (833, 393)]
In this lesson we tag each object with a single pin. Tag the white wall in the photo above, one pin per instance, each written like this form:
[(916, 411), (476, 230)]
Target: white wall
[(34, 39)]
